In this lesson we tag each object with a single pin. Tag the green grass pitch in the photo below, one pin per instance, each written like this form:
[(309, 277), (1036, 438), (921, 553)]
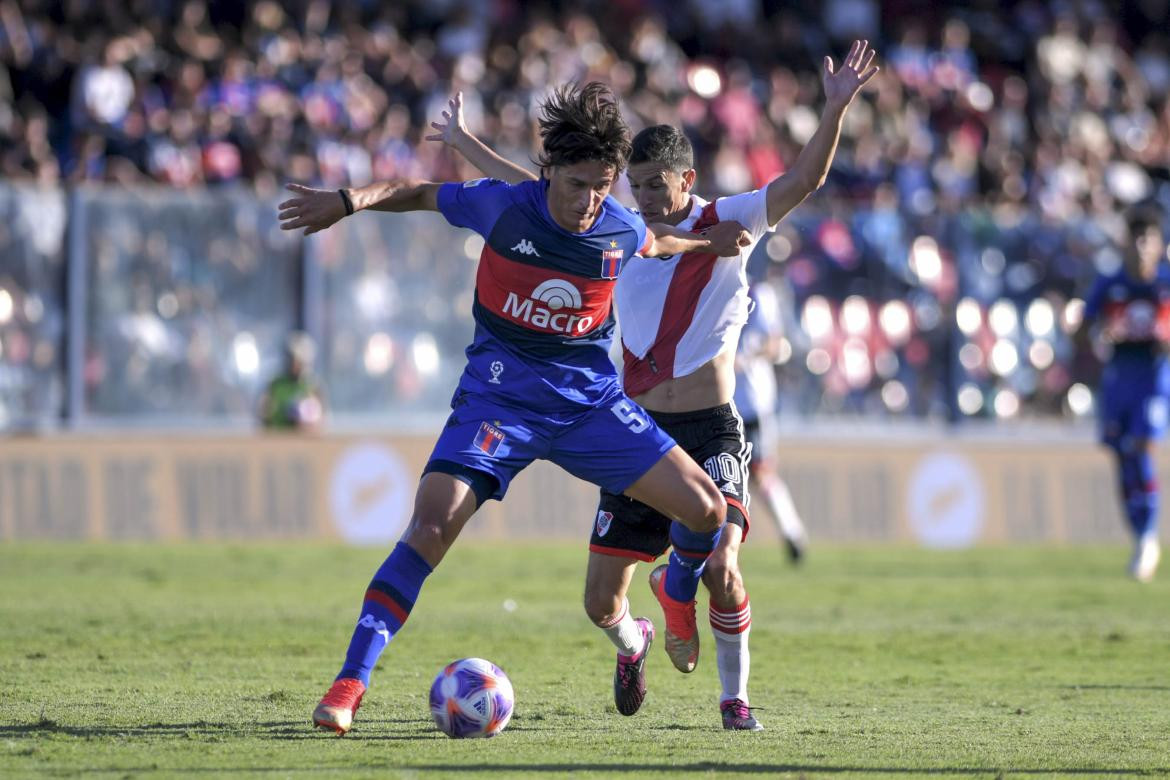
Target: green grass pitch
[(205, 661)]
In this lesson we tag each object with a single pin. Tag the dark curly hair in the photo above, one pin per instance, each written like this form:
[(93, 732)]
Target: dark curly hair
[(583, 123)]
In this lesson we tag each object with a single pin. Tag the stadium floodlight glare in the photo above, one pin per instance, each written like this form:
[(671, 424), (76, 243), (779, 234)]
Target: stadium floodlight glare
[(894, 396), (1004, 357), (894, 319), (473, 246), (1080, 399), (855, 363), (886, 363), (783, 352), (1003, 318), (705, 81), (379, 354), (970, 399), (980, 96), (373, 296), (818, 361), (167, 305), (425, 353), (1007, 404), (5, 306), (925, 260), (246, 354), (1074, 312), (1041, 354), (817, 318), (993, 261), (1040, 318), (969, 316), (855, 317), (779, 248), (971, 357)]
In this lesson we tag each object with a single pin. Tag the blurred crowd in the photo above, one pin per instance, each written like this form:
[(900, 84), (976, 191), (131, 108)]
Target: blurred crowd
[(977, 187)]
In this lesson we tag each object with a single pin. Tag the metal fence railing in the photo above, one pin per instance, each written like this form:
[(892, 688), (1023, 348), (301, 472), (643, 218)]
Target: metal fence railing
[(162, 307)]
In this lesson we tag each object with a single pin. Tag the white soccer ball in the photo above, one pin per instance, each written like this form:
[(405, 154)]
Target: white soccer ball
[(471, 697)]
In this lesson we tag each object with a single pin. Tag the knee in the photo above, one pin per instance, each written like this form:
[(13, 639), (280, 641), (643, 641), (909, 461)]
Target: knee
[(602, 608), (708, 510), (723, 580), (430, 535)]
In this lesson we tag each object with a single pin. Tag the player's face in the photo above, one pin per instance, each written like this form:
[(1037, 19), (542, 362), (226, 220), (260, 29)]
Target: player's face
[(1150, 246), (659, 190), (576, 192)]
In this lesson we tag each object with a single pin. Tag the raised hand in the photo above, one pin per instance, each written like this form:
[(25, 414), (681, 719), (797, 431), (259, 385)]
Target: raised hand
[(313, 209), (842, 84), (452, 127)]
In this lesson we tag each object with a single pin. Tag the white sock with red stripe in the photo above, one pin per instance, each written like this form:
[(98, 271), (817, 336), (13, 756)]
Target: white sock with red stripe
[(731, 628), (624, 632)]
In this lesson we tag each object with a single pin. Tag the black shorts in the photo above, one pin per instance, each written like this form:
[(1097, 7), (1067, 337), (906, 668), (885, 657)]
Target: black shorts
[(715, 439)]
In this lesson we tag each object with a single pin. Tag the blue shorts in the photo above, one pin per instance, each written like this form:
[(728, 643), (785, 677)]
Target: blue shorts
[(1134, 402), (611, 445)]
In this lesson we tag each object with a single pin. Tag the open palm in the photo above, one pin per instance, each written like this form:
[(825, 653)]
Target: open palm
[(452, 125), (842, 84)]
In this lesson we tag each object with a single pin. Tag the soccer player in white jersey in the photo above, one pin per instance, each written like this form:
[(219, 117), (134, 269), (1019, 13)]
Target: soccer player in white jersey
[(755, 399), (680, 321)]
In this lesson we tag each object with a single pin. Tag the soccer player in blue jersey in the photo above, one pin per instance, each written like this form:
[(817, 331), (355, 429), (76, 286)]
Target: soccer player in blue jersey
[(680, 321), (1131, 307), (539, 382)]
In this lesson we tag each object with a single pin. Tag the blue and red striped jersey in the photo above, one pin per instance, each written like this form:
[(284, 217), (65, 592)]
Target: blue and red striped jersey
[(543, 294)]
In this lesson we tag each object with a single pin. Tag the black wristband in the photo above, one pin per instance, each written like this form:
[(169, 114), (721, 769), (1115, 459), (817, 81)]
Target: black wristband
[(345, 199)]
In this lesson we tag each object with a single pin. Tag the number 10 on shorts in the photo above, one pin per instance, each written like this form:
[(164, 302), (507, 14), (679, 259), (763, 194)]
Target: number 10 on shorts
[(630, 415)]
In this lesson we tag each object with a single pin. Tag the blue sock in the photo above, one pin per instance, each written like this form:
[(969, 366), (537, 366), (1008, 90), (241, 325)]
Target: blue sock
[(387, 604), (687, 559), (1143, 516)]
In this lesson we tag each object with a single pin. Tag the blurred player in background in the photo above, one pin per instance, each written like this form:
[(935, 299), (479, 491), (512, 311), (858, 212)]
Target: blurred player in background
[(680, 324), (538, 382), (292, 400), (755, 398), (1132, 310)]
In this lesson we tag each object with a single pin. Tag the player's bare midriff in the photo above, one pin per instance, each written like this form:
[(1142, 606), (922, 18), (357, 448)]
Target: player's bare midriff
[(713, 384)]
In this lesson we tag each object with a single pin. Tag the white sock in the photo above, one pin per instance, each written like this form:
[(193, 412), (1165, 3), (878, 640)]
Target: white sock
[(731, 631), (780, 502), (625, 634)]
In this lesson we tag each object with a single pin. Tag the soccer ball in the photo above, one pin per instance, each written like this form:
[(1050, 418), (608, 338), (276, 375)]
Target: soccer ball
[(471, 697)]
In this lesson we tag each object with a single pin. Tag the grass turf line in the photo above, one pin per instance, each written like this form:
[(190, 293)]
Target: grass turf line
[(206, 660)]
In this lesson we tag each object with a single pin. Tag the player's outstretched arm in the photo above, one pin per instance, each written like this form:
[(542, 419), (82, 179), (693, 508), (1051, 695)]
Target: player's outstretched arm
[(812, 165), (452, 130), (314, 210), (724, 239)]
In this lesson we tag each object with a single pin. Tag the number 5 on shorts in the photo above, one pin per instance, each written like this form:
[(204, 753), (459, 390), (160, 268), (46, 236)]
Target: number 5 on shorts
[(630, 415)]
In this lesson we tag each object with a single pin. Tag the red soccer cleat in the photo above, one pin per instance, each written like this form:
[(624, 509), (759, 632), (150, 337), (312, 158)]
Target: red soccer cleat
[(682, 636), (337, 707)]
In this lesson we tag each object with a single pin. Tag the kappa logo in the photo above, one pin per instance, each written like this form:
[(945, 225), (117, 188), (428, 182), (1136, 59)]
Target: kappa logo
[(525, 247), (604, 520), (369, 621)]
